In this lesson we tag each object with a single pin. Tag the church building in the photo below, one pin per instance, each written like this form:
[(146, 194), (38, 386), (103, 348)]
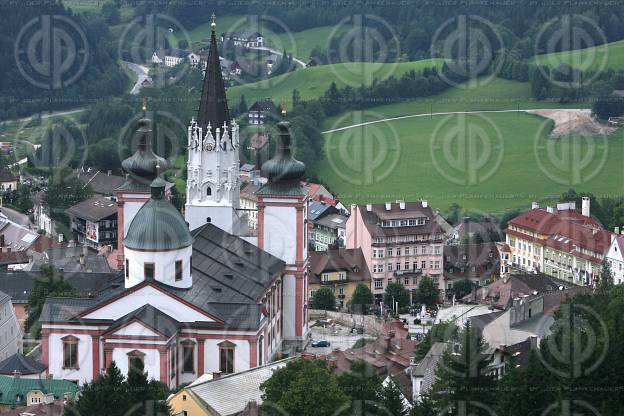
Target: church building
[(194, 297)]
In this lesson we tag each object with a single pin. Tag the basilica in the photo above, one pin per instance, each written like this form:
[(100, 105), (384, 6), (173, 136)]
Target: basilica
[(194, 294)]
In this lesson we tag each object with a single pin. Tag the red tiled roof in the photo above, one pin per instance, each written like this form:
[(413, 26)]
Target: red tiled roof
[(412, 210), (566, 230), (341, 259)]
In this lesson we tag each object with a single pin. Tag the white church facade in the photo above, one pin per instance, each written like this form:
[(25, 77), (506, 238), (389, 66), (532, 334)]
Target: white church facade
[(193, 296)]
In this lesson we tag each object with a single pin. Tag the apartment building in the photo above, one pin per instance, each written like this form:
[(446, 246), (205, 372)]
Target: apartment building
[(615, 257), (400, 241), (559, 242)]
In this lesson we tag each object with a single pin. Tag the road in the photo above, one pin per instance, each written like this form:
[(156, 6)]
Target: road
[(276, 52), (434, 114), (142, 74), (44, 116)]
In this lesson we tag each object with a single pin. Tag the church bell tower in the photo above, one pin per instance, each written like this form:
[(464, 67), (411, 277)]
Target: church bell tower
[(212, 187)]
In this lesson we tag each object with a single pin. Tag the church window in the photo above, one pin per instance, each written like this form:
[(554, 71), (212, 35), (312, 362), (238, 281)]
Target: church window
[(226, 357), (188, 353), (133, 356), (208, 191), (178, 270), (127, 269), (70, 352), (148, 270)]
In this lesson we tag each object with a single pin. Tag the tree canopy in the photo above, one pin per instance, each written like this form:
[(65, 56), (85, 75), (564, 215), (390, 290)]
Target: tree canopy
[(324, 299)]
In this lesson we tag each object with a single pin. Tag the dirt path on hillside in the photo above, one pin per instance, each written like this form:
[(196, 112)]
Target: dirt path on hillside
[(574, 121)]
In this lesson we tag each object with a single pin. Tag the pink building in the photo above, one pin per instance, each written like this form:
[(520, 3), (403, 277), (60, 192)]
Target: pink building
[(401, 241)]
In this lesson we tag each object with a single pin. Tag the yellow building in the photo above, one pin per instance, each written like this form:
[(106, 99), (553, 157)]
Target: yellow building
[(339, 269)]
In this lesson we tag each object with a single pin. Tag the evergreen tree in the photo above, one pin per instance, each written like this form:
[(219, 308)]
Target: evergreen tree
[(296, 98), (146, 397), (461, 376), (104, 396), (424, 407), (362, 299), (391, 400), (605, 282), (242, 105), (362, 384), (427, 291), (324, 299), (395, 292)]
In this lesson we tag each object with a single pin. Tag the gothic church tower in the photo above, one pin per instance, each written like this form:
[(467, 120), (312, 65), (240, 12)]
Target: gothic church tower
[(212, 187)]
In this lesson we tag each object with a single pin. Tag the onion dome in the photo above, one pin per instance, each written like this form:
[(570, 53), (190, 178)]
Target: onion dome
[(141, 166), (158, 225), (283, 167)]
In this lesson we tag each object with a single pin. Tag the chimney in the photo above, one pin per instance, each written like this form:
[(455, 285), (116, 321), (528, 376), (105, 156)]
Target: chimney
[(60, 238), (534, 205), (402, 204), (585, 207), (369, 207), (550, 209), (616, 230), (109, 172), (388, 206), (216, 375), (425, 204)]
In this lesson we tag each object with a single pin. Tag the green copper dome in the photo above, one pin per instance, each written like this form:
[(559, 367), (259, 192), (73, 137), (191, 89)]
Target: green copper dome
[(141, 166), (158, 225), (283, 167)]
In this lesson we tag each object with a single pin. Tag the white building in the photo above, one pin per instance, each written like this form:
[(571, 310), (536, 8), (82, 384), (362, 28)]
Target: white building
[(10, 332), (173, 57), (615, 258)]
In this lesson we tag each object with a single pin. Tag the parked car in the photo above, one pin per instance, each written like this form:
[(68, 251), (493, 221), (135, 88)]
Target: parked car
[(322, 343)]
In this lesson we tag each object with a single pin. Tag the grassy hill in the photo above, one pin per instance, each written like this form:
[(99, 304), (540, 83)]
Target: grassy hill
[(610, 55), (425, 157), (499, 94), (313, 82)]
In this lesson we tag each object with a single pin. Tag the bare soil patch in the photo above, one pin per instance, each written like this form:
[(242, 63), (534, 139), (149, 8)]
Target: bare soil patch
[(574, 122)]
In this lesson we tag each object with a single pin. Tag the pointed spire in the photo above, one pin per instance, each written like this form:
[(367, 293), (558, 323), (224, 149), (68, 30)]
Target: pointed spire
[(213, 107)]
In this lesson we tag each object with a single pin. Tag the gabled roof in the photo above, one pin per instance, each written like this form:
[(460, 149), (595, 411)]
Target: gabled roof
[(463, 261), (100, 182), (341, 259), (372, 219), (21, 364), (229, 395), (93, 209), (7, 176), (318, 209), (265, 105), (153, 318), (11, 387)]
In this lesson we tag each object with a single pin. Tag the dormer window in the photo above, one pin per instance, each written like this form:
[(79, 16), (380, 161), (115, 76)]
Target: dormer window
[(149, 271)]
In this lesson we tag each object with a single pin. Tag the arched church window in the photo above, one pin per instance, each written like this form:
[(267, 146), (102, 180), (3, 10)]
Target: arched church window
[(208, 191)]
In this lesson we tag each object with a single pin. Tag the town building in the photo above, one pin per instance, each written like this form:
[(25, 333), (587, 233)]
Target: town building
[(249, 203), (18, 391), (8, 181), (328, 231), (478, 263), (94, 222), (10, 332), (423, 372), (224, 395), (173, 57), (559, 242), (53, 408), (71, 259), (260, 111), (192, 301), (615, 258), (469, 230), (401, 241), (244, 38), (340, 270), (18, 238)]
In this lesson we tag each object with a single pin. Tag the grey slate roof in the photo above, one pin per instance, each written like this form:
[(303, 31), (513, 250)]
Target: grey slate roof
[(229, 395), (318, 209), (152, 317), (68, 259), (19, 284), (93, 209), (100, 182), (22, 364), (230, 276), (426, 368)]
